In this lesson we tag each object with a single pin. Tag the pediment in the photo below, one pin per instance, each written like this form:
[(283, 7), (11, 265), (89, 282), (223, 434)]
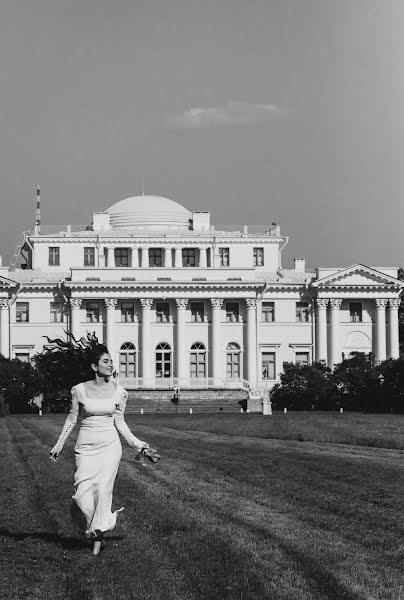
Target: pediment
[(7, 283), (358, 275)]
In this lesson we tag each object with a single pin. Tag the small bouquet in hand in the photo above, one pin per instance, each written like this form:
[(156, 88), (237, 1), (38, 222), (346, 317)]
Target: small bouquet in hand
[(148, 455)]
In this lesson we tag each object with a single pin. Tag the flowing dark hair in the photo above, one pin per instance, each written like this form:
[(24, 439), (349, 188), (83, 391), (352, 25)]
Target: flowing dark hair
[(69, 361), (64, 363)]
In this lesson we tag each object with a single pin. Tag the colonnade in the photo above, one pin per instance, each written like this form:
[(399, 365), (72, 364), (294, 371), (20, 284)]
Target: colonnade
[(328, 345), (171, 256), (382, 349), (181, 303)]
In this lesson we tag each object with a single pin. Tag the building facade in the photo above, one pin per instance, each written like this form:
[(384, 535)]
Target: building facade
[(179, 302)]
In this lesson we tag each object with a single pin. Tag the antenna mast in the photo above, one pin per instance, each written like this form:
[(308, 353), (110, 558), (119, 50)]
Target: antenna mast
[(38, 211)]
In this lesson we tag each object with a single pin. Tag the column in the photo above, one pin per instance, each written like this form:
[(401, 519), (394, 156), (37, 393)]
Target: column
[(217, 371), (335, 353), (4, 327), (321, 329), (394, 347), (213, 256), (252, 341), (147, 304), (110, 304), (109, 257), (180, 350), (171, 254), (135, 257), (178, 257), (75, 305), (202, 257), (143, 258), (380, 350)]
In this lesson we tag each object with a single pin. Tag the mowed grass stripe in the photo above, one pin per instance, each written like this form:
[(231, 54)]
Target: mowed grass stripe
[(353, 429), (305, 524), (220, 518), (26, 531), (126, 569)]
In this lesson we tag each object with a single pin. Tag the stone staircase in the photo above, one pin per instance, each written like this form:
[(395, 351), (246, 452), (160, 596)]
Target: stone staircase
[(201, 401)]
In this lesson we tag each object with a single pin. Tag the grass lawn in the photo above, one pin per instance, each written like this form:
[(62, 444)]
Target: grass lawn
[(303, 506)]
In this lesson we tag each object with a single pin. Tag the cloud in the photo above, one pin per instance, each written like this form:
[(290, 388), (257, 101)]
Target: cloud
[(230, 114)]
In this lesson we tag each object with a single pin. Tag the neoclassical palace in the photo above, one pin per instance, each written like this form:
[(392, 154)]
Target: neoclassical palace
[(179, 302)]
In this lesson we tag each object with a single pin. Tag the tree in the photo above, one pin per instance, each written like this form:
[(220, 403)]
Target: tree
[(304, 387), (19, 384), (357, 382), (391, 379)]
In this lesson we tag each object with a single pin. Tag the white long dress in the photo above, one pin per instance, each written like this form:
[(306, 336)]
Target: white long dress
[(98, 451)]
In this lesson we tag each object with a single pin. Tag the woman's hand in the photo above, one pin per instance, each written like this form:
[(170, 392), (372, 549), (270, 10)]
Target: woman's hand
[(53, 454)]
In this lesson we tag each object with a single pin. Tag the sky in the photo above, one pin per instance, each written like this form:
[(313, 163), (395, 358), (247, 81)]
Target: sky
[(287, 111)]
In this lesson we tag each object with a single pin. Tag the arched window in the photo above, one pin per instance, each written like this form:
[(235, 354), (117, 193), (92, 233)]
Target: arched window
[(127, 360), (163, 360), (198, 361), (233, 353)]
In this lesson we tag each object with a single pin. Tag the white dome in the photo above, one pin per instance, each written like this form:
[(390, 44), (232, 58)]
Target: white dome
[(149, 212)]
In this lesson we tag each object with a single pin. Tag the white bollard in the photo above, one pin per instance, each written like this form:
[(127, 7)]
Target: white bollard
[(190, 411), (285, 410), (341, 410), (40, 412), (141, 411), (241, 410)]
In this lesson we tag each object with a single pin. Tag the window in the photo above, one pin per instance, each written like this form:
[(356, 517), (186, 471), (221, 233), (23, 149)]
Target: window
[(163, 360), (258, 255), (189, 257), (22, 312), (302, 312), (92, 312), (302, 358), (355, 312), (127, 360), (89, 257), (54, 256), (197, 312), (268, 365), (268, 312), (122, 257), (56, 312), (127, 312), (232, 312), (233, 361), (156, 257), (22, 356), (198, 361), (224, 257), (162, 312)]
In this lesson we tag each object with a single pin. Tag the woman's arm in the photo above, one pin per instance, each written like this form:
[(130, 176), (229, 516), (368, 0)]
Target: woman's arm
[(122, 427), (70, 422)]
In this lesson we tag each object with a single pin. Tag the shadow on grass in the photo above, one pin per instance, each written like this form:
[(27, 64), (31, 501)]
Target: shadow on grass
[(67, 542)]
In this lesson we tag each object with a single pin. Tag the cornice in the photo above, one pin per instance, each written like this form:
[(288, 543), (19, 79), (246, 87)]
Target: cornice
[(159, 286), (370, 287), (129, 241)]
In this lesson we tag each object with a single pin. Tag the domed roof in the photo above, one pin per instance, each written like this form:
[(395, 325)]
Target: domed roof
[(148, 212)]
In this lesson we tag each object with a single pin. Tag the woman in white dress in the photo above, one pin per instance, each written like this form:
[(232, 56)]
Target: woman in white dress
[(98, 448)]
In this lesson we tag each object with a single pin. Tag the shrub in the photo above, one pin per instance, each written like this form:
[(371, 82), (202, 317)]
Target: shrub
[(19, 383), (305, 387)]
